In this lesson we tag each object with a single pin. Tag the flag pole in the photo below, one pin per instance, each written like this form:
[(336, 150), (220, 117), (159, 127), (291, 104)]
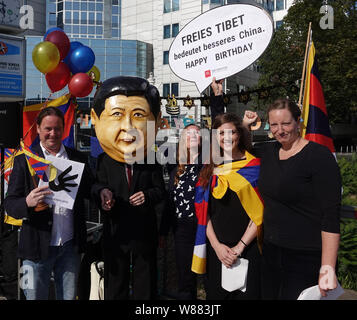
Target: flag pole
[(304, 67)]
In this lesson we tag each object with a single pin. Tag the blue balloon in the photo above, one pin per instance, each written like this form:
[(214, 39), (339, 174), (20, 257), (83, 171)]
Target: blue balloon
[(74, 46), (81, 60), (50, 30)]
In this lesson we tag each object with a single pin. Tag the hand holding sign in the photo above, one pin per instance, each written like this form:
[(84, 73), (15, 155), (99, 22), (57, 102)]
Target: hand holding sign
[(62, 181), (220, 43)]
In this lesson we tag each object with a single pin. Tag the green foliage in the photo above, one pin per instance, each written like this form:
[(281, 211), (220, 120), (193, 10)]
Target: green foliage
[(336, 53), (347, 255), (348, 169)]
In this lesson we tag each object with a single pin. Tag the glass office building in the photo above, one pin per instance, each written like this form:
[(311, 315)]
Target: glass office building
[(96, 19)]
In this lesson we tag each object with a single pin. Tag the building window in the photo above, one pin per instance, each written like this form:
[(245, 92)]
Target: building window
[(171, 30), (68, 16), (175, 5), (280, 5), (175, 89), (268, 5), (204, 1), (216, 1), (91, 6), (167, 6), (76, 17), (167, 31), (84, 17), (175, 29), (91, 19), (171, 5), (166, 57), (60, 6), (68, 5), (278, 24), (170, 89), (83, 6), (166, 89)]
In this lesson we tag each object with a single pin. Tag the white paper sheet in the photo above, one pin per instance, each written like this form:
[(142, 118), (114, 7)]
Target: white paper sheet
[(313, 293), (235, 278)]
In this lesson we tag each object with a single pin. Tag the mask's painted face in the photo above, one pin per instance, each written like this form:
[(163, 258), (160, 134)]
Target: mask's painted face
[(125, 127)]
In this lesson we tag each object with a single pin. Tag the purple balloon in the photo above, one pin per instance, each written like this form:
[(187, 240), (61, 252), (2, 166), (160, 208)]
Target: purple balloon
[(81, 60), (74, 46)]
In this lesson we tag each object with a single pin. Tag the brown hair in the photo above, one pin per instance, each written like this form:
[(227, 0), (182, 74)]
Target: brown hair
[(243, 145), (282, 103), (181, 166), (49, 111)]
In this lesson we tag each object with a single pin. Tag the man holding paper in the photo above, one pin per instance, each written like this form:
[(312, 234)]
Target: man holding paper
[(51, 238)]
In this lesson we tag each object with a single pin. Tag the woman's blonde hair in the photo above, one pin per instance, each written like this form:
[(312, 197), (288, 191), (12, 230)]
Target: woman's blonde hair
[(183, 152)]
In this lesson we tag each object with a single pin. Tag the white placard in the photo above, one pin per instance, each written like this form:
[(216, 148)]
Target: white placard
[(64, 198), (220, 43)]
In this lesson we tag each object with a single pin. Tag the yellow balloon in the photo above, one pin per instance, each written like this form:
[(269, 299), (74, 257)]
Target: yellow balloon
[(94, 74), (45, 56)]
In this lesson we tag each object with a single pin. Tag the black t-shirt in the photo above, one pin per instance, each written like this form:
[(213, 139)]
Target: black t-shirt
[(302, 195)]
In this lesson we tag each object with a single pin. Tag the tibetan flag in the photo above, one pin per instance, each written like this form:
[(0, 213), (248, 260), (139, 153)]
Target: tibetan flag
[(37, 165), (201, 208), (8, 163), (6, 169), (30, 113), (242, 178), (315, 126)]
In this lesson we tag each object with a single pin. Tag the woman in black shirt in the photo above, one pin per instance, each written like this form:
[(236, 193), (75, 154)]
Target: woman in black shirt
[(301, 187)]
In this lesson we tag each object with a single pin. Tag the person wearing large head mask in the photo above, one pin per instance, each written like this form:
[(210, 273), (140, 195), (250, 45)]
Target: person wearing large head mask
[(125, 114)]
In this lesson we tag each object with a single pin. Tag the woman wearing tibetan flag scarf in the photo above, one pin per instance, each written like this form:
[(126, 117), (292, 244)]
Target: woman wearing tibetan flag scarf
[(234, 209)]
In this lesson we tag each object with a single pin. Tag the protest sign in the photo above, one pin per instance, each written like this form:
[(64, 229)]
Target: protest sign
[(65, 186), (220, 43)]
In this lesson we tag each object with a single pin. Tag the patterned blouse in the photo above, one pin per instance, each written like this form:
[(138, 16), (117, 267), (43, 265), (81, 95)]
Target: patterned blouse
[(184, 192)]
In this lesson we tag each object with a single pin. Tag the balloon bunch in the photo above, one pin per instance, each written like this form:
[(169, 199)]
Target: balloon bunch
[(66, 63)]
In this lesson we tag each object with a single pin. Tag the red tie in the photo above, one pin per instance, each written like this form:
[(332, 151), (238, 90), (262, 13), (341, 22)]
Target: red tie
[(128, 172)]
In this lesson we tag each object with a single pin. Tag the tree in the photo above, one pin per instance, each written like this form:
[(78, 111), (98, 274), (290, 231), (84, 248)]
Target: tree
[(336, 53)]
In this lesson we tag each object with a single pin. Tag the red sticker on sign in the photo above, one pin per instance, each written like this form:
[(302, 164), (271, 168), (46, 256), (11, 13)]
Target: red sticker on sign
[(207, 73), (3, 48)]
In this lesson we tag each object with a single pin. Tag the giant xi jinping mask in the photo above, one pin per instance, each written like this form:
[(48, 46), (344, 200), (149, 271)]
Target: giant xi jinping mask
[(126, 114)]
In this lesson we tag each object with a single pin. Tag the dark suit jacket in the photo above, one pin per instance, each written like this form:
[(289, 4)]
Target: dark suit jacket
[(135, 227), (35, 235)]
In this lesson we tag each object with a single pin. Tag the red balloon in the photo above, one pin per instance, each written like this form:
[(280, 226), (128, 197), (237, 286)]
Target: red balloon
[(60, 39), (80, 85), (58, 78)]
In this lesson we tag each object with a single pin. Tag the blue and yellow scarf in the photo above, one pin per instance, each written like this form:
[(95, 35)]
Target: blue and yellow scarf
[(239, 176)]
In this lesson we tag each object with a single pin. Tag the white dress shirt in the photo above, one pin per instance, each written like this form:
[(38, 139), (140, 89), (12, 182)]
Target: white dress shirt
[(62, 226)]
